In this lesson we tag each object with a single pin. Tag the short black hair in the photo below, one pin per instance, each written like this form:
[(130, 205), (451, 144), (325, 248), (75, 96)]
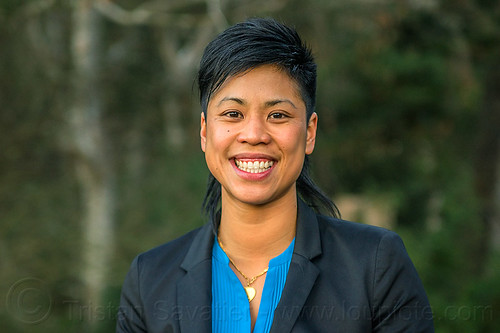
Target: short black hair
[(254, 43), (247, 45)]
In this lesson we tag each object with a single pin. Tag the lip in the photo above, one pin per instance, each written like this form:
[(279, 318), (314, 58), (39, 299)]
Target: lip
[(252, 157)]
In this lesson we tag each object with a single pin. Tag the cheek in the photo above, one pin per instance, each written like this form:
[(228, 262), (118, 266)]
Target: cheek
[(218, 139), (293, 141)]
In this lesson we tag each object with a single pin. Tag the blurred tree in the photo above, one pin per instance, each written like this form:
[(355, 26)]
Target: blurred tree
[(183, 28), (90, 146)]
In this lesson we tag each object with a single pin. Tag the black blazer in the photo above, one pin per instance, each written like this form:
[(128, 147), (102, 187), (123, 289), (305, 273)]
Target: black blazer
[(343, 277)]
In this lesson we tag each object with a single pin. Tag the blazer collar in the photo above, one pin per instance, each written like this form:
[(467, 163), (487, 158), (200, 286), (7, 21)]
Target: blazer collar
[(194, 290), (307, 239), (302, 273), (200, 249)]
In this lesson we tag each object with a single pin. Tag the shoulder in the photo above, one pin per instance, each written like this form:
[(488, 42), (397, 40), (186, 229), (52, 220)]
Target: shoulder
[(353, 232), (359, 245), (150, 287), (375, 260)]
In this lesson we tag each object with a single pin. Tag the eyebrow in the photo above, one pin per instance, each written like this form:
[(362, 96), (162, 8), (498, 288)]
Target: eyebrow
[(267, 104), (232, 99)]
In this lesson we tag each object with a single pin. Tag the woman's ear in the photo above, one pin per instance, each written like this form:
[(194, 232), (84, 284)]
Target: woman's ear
[(312, 126), (203, 132)]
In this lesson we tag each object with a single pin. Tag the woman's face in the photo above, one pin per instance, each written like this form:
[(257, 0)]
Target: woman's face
[(255, 136)]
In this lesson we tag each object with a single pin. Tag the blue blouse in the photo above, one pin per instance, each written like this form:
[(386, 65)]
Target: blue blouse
[(230, 306)]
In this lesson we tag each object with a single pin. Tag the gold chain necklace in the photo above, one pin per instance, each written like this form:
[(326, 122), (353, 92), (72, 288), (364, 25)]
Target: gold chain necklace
[(248, 289)]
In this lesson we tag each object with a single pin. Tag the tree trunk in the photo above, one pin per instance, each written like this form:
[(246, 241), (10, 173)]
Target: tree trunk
[(93, 164)]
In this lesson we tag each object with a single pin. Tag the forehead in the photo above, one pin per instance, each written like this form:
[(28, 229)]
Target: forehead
[(265, 83)]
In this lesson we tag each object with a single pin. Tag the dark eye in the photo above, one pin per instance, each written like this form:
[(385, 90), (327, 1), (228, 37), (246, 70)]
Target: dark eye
[(277, 115), (233, 114)]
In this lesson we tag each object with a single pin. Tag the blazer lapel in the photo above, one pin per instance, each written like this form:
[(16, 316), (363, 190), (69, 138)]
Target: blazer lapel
[(194, 290), (302, 273)]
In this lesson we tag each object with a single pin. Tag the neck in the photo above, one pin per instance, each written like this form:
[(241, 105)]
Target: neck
[(257, 233)]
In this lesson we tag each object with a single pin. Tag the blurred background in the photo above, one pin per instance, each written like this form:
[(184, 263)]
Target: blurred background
[(100, 157)]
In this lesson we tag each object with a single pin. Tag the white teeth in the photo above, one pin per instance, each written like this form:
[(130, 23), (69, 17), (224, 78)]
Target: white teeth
[(254, 167)]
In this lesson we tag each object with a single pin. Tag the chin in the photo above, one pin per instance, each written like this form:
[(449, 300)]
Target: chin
[(259, 201), (254, 199)]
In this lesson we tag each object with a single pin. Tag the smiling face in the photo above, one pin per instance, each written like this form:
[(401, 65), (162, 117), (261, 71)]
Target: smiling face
[(255, 136)]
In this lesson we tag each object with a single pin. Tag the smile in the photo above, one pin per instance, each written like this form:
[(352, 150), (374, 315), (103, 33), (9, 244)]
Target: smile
[(254, 167)]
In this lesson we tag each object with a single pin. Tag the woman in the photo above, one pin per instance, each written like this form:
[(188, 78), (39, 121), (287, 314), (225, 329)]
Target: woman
[(268, 261)]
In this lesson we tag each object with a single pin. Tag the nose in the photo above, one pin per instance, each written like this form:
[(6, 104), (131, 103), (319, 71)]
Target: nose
[(254, 131)]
